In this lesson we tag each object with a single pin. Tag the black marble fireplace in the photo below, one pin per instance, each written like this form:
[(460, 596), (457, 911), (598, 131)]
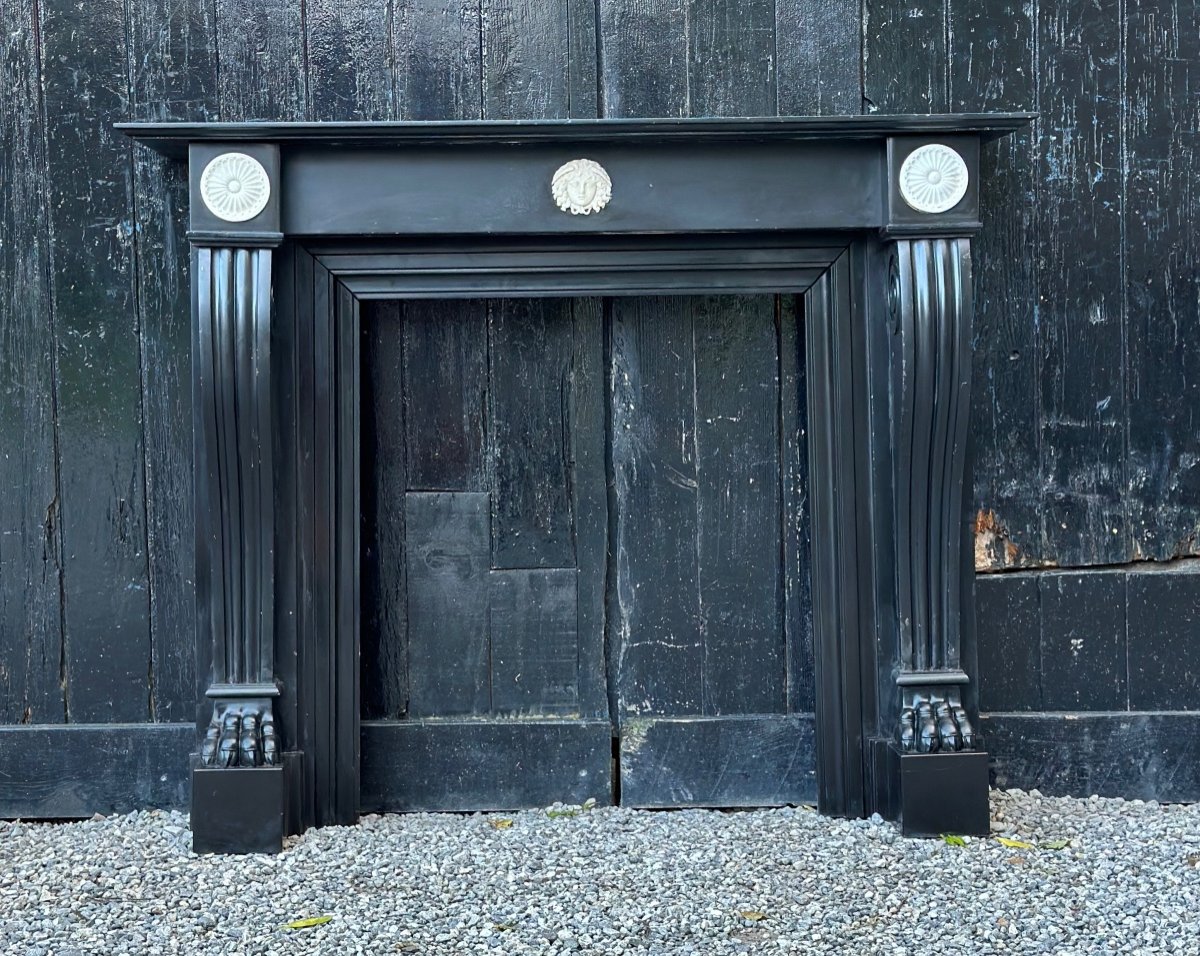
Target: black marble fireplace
[(867, 220)]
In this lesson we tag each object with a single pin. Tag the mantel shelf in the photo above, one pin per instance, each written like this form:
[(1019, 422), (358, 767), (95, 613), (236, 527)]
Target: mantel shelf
[(172, 139)]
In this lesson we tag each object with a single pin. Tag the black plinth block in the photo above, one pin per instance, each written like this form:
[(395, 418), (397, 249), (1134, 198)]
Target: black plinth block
[(237, 810), (944, 793)]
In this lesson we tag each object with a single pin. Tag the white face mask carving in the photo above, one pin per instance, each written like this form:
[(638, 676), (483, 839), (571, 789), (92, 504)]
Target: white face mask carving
[(581, 187)]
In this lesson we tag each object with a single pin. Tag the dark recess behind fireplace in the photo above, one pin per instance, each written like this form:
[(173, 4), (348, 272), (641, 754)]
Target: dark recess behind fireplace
[(473, 421)]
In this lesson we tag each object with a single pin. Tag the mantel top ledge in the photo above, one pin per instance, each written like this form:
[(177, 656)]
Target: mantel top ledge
[(172, 139)]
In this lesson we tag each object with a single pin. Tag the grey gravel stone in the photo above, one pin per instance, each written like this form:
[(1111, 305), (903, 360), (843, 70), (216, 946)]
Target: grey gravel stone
[(615, 881)]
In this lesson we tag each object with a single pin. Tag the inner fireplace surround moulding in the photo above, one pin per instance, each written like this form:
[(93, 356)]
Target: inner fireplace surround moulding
[(293, 225)]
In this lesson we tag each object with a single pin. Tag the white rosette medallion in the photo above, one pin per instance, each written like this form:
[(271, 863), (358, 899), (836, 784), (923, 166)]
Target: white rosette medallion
[(933, 178), (580, 187), (235, 187)]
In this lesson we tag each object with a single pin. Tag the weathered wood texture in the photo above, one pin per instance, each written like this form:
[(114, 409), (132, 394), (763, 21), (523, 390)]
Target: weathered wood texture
[(98, 401), (992, 68), (261, 50), (535, 641), (904, 56), (1087, 369), (445, 382), (727, 58), (470, 765), (77, 771), (1161, 226), (1140, 755), (656, 662), (1090, 682), (697, 604), (1085, 386), (31, 646), (530, 342), (1102, 640), (525, 66), (818, 48), (348, 63), (719, 761), (1081, 278), (446, 569), (485, 509), (510, 602)]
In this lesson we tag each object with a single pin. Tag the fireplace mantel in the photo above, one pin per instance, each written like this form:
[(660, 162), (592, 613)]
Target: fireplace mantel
[(293, 225), (173, 139)]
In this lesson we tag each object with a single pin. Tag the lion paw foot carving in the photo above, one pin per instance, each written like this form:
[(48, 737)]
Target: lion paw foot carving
[(240, 736), (932, 723)]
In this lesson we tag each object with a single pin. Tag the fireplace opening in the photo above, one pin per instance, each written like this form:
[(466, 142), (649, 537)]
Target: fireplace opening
[(585, 531)]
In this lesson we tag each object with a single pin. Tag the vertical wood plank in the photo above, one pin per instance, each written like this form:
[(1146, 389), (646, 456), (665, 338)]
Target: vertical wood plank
[(102, 478), (1084, 651), (731, 57), (1162, 221), (348, 59), (819, 51), (430, 438), (904, 56), (1080, 301), (526, 46), (656, 649), (1163, 617), (30, 525), (384, 639), (445, 394), (739, 542), (437, 59), (589, 502), (644, 48), (687, 58), (534, 642), (797, 518), (582, 60), (1008, 608), (446, 550), (530, 342), (261, 54), (172, 65), (992, 68)]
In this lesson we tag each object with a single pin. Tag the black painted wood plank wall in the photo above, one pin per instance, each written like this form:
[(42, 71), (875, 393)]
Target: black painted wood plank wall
[(98, 408), (1088, 328), (31, 651)]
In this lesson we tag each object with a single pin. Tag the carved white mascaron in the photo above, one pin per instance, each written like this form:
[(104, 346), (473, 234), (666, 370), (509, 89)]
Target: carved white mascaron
[(235, 187), (581, 187), (933, 178)]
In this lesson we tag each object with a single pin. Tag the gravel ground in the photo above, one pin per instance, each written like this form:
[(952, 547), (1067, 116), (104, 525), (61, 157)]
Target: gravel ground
[(616, 881)]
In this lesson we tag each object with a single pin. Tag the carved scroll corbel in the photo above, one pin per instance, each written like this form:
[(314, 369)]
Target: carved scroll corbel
[(235, 225), (931, 304)]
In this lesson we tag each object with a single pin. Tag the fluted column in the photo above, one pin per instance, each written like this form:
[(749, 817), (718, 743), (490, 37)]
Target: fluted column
[(235, 489), (931, 313)]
